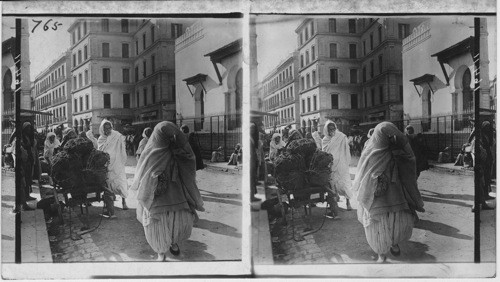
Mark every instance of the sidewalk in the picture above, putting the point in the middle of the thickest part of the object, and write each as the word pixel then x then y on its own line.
pixel 35 245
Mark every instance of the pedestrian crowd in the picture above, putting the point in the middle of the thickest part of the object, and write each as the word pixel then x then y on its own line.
pixel 164 183
pixel 385 185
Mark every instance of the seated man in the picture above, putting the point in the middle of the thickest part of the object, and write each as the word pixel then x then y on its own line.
pixel 235 156
pixel 217 156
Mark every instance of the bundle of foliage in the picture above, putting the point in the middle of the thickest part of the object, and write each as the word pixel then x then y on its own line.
pixel 319 172
pixel 304 147
pixel 290 171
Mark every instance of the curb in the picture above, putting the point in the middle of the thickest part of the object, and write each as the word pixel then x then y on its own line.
pixel 230 170
pixel 453 170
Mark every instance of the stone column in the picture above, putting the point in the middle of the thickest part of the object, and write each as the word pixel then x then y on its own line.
pixel 25 66
pixel 484 100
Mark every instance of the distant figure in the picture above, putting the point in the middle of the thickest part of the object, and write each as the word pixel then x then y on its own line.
pixel 275 146
pixel 68 134
pixel 217 155
pixel 317 137
pixel 294 134
pixel 235 156
pixel 91 137
pixel 145 137
pixel 285 132
pixel 51 142
pixel 418 148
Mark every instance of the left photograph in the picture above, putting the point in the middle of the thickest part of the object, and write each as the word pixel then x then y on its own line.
pixel 124 137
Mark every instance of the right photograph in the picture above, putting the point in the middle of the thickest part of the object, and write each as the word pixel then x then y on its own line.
pixel 373 139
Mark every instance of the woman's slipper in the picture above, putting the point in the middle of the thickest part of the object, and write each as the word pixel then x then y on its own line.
pixel 395 250
pixel 176 251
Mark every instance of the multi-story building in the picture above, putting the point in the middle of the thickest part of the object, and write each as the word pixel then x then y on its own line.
pixel 51 94
pixel 101 69
pixel 279 92
pixel 154 69
pixel 350 70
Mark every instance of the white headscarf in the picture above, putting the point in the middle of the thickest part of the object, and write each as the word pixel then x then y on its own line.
pixel 90 136
pixel 49 147
pixel 273 147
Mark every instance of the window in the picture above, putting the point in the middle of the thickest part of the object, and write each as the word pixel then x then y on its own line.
pixel 334 76
pixel 353 76
pixel 74 82
pixel 105 25
pixel 366 99
pixel 176 30
pixel 79 56
pixel 86 102
pixel 64 90
pixel 403 30
pixel 152 34
pixel 105 50
pixel 145 96
pixel 303 105
pixel 332 25
pixel 371 41
pixel 125 50
pixel 81 103
pixel 372 96
pixel 315 103
pixel 354 101
pixel 306 33
pixel 84 27
pixel 107 101
pixel 364 74
pixel 379 34
pixel 301 40
pixel 312 28
pixel 126 75
pixel 313 77
pixel 74 60
pixel 153 94
pixel 380 64
pixel 80 80
pixel 73 37
pixel 85 52
pixel 371 69
pixel 144 41
pixel 381 93
pixel 307 58
pixel 75 106
pixel 352 51
pixel 302 86
pixel 137 99
pixel 308 81
pixel 144 68
pixel 124 26
pixel 333 50
pixel 106 75
pixel 335 101
pixel 364 47
pixel 136 73
pixel 137 47
pixel 313 54
pixel 308 104
pixel 86 77
pixel 79 33
pixel 301 61
pixel 153 63
pixel 352 26
pixel 126 101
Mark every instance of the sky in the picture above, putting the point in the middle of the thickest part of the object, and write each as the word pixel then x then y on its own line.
pixel 276 39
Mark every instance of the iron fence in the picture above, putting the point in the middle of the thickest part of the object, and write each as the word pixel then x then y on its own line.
pixel 216 131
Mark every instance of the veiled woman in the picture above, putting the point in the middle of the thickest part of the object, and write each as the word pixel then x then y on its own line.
pixel 386 189
pixel 294 134
pixel 335 143
pixel 275 145
pixel 113 143
pixel 146 133
pixel 51 142
pixel 166 190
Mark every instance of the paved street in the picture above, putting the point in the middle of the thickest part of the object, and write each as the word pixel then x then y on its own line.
pixel 216 235
pixel 445 232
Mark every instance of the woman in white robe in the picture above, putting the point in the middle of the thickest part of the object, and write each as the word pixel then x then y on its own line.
pixel 113 143
pixel 336 143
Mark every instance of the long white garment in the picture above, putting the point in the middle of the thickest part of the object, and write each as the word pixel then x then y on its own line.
pixel 273 147
pixel 337 145
pixel 114 145
pixel 317 139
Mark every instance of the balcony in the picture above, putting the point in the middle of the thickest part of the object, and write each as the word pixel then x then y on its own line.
pixel 286 120
pixel 280 84
pixel 59 100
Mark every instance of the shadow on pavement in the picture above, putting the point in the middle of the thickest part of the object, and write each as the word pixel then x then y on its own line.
pixel 217 227
pixel 8 198
pixel 223 195
pixel 4 205
pixel 414 252
pixel 194 250
pixel 448 202
pixel 441 229
pixel 219 200
pixel 5 237
pixel 462 197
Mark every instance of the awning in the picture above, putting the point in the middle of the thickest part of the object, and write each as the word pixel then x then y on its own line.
pixel 193 80
pixel 218 55
pixel 444 56
pixel 426 78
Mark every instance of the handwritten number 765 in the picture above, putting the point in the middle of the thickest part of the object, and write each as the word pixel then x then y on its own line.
pixel 45 26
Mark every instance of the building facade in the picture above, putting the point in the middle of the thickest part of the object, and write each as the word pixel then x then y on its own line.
pixel 279 92
pixel 350 70
pixel 51 93
pixel 209 79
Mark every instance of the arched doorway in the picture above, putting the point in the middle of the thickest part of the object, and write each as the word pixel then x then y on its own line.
pixel 467 95
pixel 8 94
